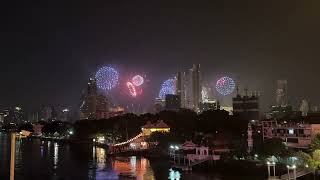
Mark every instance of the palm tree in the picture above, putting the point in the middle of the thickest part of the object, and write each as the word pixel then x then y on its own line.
pixel 312 161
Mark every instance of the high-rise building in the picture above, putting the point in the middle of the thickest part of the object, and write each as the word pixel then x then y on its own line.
pixel 92 87
pixel 304 107
pixel 209 105
pixel 14 115
pixel 196 86
pixel 181 86
pixel 189 88
pixel 94 105
pixel 46 113
pixel 281 93
pixel 173 102
pixel 246 107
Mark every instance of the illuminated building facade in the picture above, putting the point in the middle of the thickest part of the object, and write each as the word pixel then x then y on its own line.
pixel 94 106
pixel 196 86
pixel 246 107
pixel 293 134
pixel 282 112
pixel 14 115
pixel 189 88
pixel 182 88
pixel 281 93
pixel 209 105
pixel 159 126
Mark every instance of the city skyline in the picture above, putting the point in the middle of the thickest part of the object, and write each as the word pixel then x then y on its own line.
pixel 145 90
pixel 56 57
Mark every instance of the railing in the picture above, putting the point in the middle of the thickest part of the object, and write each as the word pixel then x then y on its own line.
pixel 129 141
pixel 299 173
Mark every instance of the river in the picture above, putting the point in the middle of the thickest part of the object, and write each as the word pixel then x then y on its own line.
pixel 48 160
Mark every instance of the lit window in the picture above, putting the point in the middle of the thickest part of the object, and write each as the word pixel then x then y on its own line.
pixel 291 131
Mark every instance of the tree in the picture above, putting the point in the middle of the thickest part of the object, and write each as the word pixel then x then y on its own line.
pixel 315 144
pixel 164 139
pixel 313 160
pixel 273 147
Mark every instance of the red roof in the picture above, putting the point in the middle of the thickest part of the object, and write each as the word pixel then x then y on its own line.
pixel 148 125
pixel 161 124
pixel 158 124
pixel 188 145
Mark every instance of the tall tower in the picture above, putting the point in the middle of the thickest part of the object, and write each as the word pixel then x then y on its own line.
pixel 93 106
pixel 181 88
pixel 92 87
pixel 281 93
pixel 249 140
pixel 196 86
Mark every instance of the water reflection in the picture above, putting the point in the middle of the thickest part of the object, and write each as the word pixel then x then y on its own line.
pixel 121 167
pixel 39 160
pixel 101 164
pixel 42 149
pixel 134 167
pixel 55 155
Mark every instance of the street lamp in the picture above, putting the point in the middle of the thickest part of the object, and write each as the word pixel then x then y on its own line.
pixel 70 132
pixel 271 164
pixel 293 168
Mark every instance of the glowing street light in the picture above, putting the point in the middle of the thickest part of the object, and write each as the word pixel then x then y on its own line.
pixel 271 164
pixel 293 167
pixel 70 132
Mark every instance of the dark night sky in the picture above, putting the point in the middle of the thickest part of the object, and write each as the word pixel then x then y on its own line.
pixel 49 49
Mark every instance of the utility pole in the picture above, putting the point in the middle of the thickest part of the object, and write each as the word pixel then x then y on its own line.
pixel 12 155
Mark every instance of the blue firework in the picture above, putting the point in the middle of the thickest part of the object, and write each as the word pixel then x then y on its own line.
pixel 168 87
pixel 107 78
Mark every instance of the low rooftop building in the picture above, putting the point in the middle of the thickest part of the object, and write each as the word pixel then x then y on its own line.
pixel 295 135
pixel 159 126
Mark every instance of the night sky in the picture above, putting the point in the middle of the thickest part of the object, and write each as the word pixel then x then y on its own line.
pixel 50 49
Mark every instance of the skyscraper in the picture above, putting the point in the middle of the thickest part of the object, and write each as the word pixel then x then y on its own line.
pixel 94 105
pixel 92 87
pixel 246 107
pixel 281 93
pixel 14 115
pixel 196 86
pixel 181 88
pixel 189 88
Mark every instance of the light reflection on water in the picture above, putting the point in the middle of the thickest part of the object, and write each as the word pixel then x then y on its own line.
pixel 51 160
pixel 55 155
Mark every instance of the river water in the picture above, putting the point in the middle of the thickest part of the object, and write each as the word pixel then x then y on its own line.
pixel 48 160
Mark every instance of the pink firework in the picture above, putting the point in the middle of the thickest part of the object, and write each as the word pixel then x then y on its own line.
pixel 137 80
pixel 132 89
